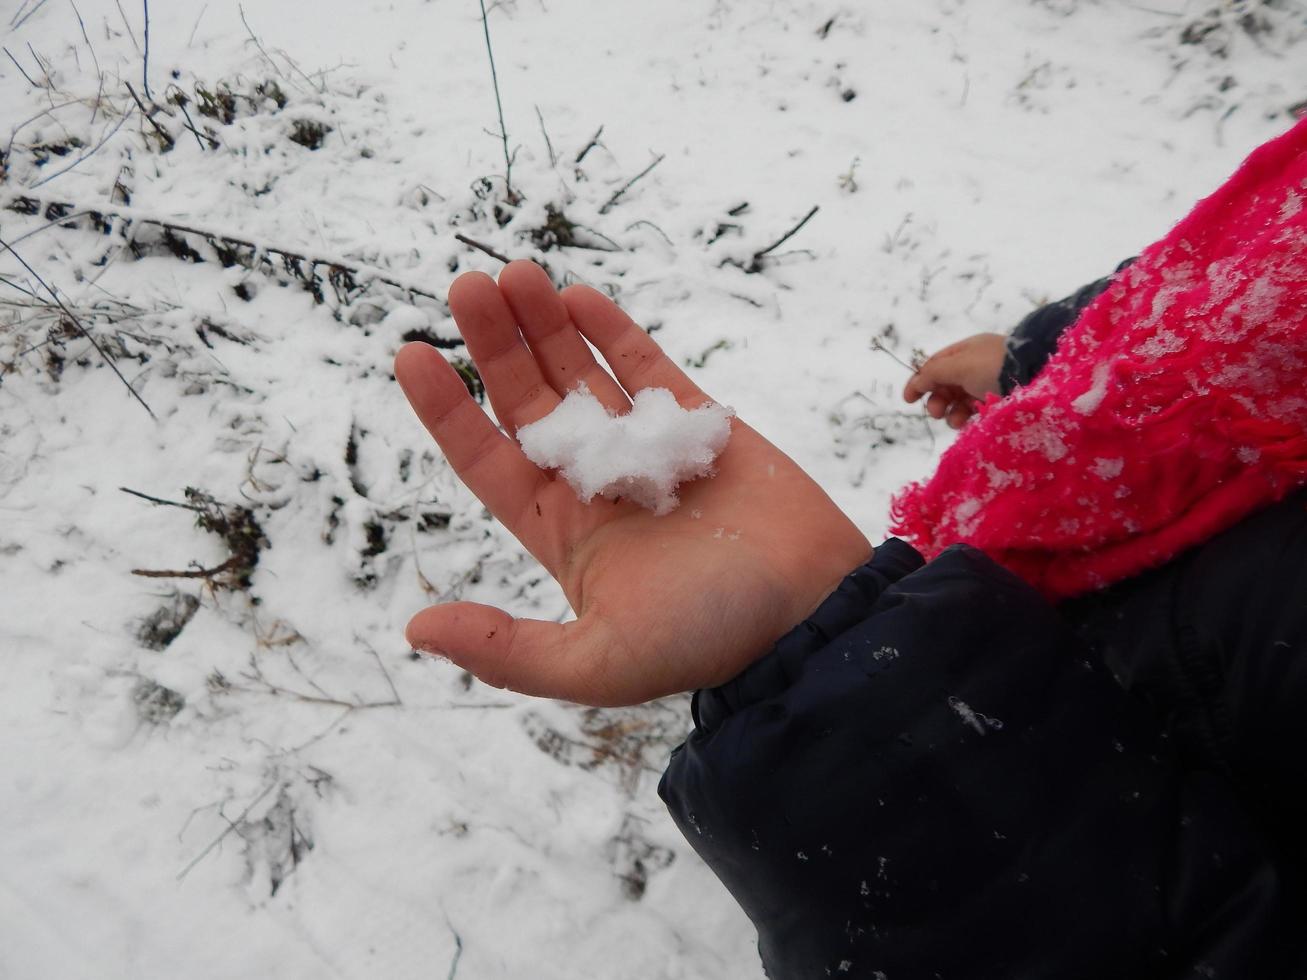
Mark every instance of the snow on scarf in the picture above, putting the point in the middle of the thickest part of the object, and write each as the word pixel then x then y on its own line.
pixel 1175 406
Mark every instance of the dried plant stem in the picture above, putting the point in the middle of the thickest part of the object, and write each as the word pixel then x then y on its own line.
pixel 513 196
pixel 553 157
pixel 594 141
pixel 20 23
pixel 231 826
pixel 145 57
pixel 787 236
pixel 218 239
pixel 20 68
pixel 72 317
pixel 617 194
pixel 473 243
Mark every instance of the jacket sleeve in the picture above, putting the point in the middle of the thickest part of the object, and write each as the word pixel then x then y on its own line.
pixel 1034 340
pixel 927 779
pixel 1216 642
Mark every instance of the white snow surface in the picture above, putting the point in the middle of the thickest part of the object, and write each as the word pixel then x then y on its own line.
pixel 235 768
pixel 641 455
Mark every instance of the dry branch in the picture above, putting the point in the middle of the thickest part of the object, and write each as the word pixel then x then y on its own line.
pixel 513 196
pixel 231 826
pixel 343 274
pixel 473 243
pixel 76 322
pixel 20 68
pixel 89 153
pixel 553 157
pixel 756 264
pixel 594 141
pixel 788 235
pixel 20 23
pixel 166 142
pixel 617 194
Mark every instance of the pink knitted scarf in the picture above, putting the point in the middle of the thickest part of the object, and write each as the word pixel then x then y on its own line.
pixel 1175 406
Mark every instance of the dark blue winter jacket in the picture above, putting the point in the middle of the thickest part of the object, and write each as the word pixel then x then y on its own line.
pixel 939 775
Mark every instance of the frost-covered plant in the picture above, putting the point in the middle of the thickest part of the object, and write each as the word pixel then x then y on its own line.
pixel 1277 24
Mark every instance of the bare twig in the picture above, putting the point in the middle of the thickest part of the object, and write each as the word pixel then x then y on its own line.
pixel 616 246
pixel 473 243
pixel 40 4
pixel 645 221
pixel 42 64
pixel 757 256
pixel 179 101
pixel 166 142
pixel 259 44
pixel 21 288
pixel 877 345
pixel 88 154
pixel 594 141
pixel 191 40
pixel 78 324
pixel 128 25
pixel 513 196
pixel 553 157
pixel 276 690
pixel 145 57
pixel 19 12
pixel 160 500
pixel 384 672
pixel 48 111
pixel 219 240
pixel 204 573
pixel 617 194
pixel 231 826
pixel 458 950
pixel 21 69
pixel 319 86
pixel 94 58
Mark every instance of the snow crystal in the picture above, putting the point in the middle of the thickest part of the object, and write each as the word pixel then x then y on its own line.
pixel 1291 206
pixel 1161 344
pixel 642 455
pixel 1107 468
pixel 973 719
pixel 1039 437
pixel 1088 402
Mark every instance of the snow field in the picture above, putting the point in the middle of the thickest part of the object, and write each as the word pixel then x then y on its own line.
pixel 278 788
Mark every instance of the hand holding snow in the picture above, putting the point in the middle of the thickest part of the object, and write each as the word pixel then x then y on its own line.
pixel 641 456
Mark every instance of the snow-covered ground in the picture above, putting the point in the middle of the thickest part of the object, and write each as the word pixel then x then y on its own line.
pixel 244 772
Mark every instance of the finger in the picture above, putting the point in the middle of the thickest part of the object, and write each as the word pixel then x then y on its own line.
pixel 518 390
pixel 937 404
pixel 632 355
pixel 490 463
pixel 918 387
pixel 958 414
pixel 932 375
pixel 544 659
pixel 561 352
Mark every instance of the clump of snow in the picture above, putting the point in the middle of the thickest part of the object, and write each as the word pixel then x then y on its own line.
pixel 1106 468
pixel 642 455
pixel 1087 403
pixel 973 719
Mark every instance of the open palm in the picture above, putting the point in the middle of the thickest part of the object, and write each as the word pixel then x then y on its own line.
pixel 663 604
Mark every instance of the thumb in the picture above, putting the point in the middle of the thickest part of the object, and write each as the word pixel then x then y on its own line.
pixel 530 656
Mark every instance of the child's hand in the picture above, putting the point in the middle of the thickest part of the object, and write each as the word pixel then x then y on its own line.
pixel 663 604
pixel 957 377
